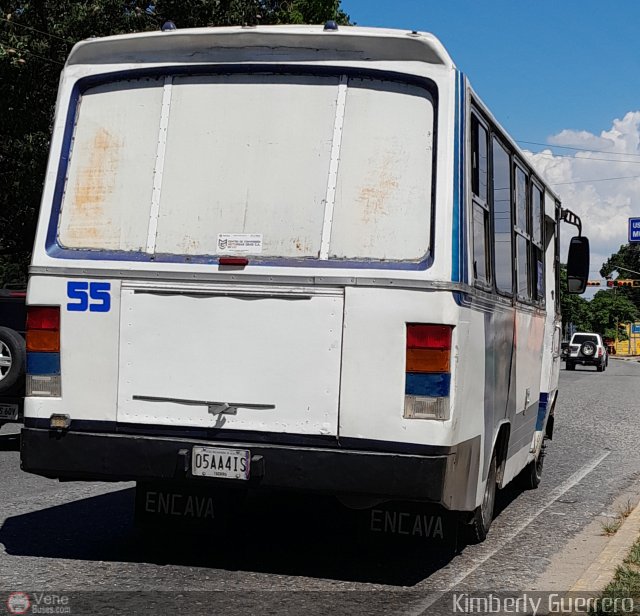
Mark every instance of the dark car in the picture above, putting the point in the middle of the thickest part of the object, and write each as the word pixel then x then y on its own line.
pixel 13 317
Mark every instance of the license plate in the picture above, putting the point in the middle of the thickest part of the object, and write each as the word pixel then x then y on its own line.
pixel 220 463
pixel 8 411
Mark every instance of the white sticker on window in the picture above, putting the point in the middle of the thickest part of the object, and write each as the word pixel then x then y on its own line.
pixel 239 243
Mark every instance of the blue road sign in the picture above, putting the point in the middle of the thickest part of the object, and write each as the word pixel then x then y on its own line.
pixel 634 229
pixel 635 328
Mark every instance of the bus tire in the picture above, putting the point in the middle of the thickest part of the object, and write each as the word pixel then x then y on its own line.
pixel 13 357
pixel 483 515
pixel 532 473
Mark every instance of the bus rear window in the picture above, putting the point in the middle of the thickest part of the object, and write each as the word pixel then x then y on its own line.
pixel 314 166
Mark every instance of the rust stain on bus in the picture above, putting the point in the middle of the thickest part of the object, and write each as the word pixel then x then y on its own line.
pixel 302 245
pixel 95 182
pixel 374 196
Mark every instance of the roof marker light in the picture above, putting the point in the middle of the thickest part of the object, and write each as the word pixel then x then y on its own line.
pixel 330 25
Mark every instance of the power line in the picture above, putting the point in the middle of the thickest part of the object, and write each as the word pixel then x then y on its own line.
pixel 43 58
pixel 566 147
pixel 610 160
pixel 13 23
pixel 581 159
pixel 50 60
pixel 624 177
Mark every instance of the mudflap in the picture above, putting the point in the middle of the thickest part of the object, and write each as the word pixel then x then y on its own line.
pixel 188 506
pixel 409 523
pixel 213 509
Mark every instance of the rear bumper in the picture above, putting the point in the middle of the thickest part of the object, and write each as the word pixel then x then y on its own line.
pixel 448 478
pixel 584 361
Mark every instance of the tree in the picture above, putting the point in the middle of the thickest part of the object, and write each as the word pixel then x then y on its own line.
pixel 628 260
pixel 35 39
pixel 610 311
pixel 238 12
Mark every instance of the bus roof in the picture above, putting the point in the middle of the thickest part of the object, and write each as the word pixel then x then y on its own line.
pixel 194 44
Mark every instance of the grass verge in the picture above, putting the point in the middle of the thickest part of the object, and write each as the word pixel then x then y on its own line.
pixel 611 527
pixel 626 581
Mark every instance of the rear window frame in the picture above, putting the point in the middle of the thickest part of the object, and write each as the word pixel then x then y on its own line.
pixel 586 338
pixel 56 250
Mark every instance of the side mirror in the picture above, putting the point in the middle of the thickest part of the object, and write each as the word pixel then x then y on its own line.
pixel 578 265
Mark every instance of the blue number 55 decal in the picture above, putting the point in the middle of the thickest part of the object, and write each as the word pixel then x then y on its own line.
pixel 91 296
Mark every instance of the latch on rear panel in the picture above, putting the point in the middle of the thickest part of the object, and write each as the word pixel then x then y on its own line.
pixel 223 408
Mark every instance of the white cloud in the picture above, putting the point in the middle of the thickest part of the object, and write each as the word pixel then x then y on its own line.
pixel 603 206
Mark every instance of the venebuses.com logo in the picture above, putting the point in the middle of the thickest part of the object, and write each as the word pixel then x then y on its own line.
pixel 18 603
pixel 38 603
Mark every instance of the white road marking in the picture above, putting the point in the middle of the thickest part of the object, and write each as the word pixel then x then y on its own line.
pixel 555 494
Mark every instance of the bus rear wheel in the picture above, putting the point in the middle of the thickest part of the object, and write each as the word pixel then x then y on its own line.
pixel 532 473
pixel 483 515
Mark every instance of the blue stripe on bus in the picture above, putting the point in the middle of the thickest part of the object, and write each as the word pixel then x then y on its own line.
pixel 43 363
pixel 455 239
pixel 543 408
pixel 462 140
pixel 459 257
pixel 436 385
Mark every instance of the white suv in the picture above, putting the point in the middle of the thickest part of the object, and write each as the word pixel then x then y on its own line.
pixel 586 349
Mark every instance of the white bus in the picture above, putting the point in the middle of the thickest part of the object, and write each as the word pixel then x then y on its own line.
pixel 289 257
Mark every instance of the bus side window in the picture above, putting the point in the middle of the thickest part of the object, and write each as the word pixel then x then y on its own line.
pixel 537 242
pixel 480 200
pixel 502 225
pixel 522 225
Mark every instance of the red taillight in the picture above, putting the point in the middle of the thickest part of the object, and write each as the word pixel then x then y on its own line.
pixel 429 337
pixel 43 329
pixel 428 348
pixel 43 317
pixel 427 385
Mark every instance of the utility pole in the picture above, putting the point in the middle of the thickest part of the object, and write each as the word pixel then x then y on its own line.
pixel 626 269
pixel 616 308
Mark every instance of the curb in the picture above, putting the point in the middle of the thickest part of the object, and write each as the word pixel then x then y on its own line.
pixel 601 571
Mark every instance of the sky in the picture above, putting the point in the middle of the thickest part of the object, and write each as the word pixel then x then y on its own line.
pixel 563 75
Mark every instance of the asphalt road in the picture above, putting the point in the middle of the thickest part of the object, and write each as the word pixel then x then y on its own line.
pixel 66 538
